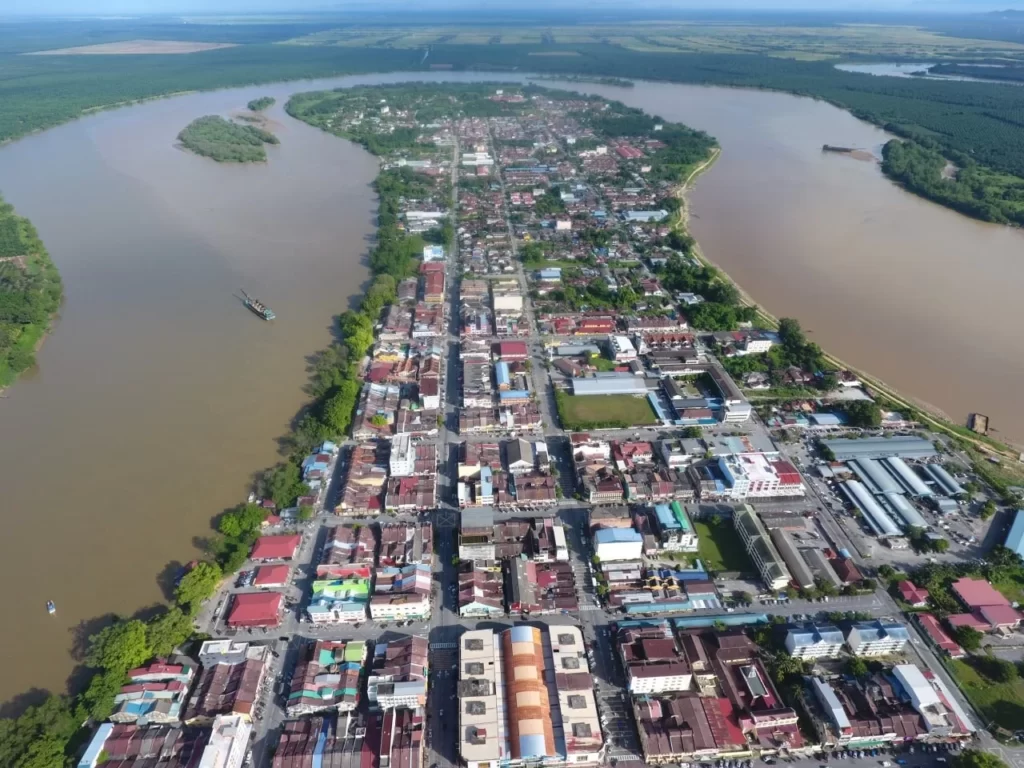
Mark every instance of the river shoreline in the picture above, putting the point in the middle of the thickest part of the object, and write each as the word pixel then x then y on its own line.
pixel 934 416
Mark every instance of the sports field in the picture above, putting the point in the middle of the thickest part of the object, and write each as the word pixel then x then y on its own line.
pixel 604 411
pixel 720 548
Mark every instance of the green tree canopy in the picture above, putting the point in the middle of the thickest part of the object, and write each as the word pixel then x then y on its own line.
pixel 968 638
pixel 167 631
pixel 976 758
pixel 98 698
pixel 119 647
pixel 197 585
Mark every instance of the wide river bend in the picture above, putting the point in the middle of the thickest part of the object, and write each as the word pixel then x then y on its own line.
pixel 157 396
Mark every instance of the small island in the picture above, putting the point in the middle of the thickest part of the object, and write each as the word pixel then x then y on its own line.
pixel 225 141
pixel 258 105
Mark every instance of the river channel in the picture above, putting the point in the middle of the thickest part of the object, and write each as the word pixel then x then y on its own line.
pixel 157 395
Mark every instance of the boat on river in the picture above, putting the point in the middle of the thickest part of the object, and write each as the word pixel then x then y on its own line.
pixel 258 307
pixel 50 607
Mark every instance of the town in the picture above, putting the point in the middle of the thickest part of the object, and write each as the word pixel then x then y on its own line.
pixel 589 509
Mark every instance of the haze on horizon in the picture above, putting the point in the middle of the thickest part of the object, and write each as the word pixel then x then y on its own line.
pixel 88 8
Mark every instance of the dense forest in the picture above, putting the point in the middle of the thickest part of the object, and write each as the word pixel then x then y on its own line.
pixel 30 293
pixel 225 141
pixel 258 105
pixel 966 187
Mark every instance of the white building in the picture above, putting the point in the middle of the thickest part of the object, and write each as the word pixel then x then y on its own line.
pixel 612 544
pixel 758 476
pixel 814 642
pixel 403 456
pixel 477 158
pixel 483 741
pixel 622 348
pixel 943 716
pixel 877 638
pixel 403 606
pixel 229 741
pixel 508 302
pixel 578 707
pixel 759 546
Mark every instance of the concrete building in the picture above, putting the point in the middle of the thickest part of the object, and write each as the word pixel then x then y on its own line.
pixel 673 528
pixel 327 677
pixel 403 456
pixel 654 661
pixel 483 736
pixel 876 638
pixel 398 674
pixel 755 539
pixel 814 641
pixel 621 348
pixel 798 567
pixel 229 681
pixel 579 727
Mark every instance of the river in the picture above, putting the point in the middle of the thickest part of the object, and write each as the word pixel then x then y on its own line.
pixel 157 396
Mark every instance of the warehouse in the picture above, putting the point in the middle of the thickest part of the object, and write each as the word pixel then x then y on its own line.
pixel 904 511
pixel 873 475
pixel 846 449
pixel 876 517
pixel 944 480
pixel 798 569
pixel 618 384
pixel 908 478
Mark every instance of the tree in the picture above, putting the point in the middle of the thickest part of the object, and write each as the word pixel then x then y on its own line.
pixel 743 598
pixel 306 513
pixel 863 413
pixel 940 545
pixel 197 585
pixel 119 647
pixel 168 631
pixel 886 572
pixel 790 333
pixel 869 585
pixel 976 758
pixel 284 484
pixel 379 420
pixel 968 638
pixel 857 667
pixel 98 698
pixel 242 521
pixel 988 509
pixel 694 433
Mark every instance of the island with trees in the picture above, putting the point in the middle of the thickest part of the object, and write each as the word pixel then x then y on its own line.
pixel 225 141
pixel 30 293
pixel 263 102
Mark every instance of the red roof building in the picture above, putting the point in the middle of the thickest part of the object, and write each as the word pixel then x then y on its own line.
pixel 911 593
pixel 512 350
pixel 256 609
pixel 975 593
pixel 271 576
pixel 938 635
pixel 431 266
pixel 846 570
pixel 999 616
pixel 276 547
pixel 787 473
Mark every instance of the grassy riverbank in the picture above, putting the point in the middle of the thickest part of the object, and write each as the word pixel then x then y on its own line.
pixel 225 141
pixel 30 293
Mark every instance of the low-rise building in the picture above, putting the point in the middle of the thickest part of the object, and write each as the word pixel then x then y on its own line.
pixel 156 693
pixel 814 641
pixel 877 638
pixel 755 539
pixel 612 544
pixel 654 661
pixel 231 673
pixel 339 600
pixel 672 528
pixel 327 677
pixel 398 674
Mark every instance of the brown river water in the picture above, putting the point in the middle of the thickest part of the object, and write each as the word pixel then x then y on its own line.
pixel 158 395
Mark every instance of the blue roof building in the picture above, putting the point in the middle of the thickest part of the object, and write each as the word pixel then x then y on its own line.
pixel 501 374
pixel 514 394
pixel 550 273
pixel 877 638
pixel 1015 538
pixel 813 641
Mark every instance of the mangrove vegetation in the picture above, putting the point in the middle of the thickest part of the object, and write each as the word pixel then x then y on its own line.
pixel 263 102
pixel 226 142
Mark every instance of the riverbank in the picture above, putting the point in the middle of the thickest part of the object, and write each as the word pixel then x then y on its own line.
pixel 928 413
pixel 30 294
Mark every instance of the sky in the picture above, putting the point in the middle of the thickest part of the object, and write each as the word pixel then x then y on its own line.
pixel 132 7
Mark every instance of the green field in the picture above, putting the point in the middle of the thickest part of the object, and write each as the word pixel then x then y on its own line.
pixel 720 548
pixel 604 411
pixel 1002 703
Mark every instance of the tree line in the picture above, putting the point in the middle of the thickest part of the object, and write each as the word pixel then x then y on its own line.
pixel 30 293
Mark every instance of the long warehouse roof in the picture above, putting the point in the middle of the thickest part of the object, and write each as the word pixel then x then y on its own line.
pixel 877 518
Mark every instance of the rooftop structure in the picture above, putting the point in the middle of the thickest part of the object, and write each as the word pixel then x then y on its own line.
pixel 654 661
pixel 349 550
pixel 578 730
pixel 846 449
pixel 255 609
pixel 620 384
pixel 618 544
pixel 1015 538
pixel 930 697
pixel 230 677
pixel 813 641
pixel 483 738
pixel 327 677
pixel 528 705
pixel 133 746
pixel 398 674
pixel 276 547
pixel 154 694
pixel 755 539
pixel 877 638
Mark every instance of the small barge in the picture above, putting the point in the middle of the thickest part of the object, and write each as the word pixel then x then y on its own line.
pixel 258 307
